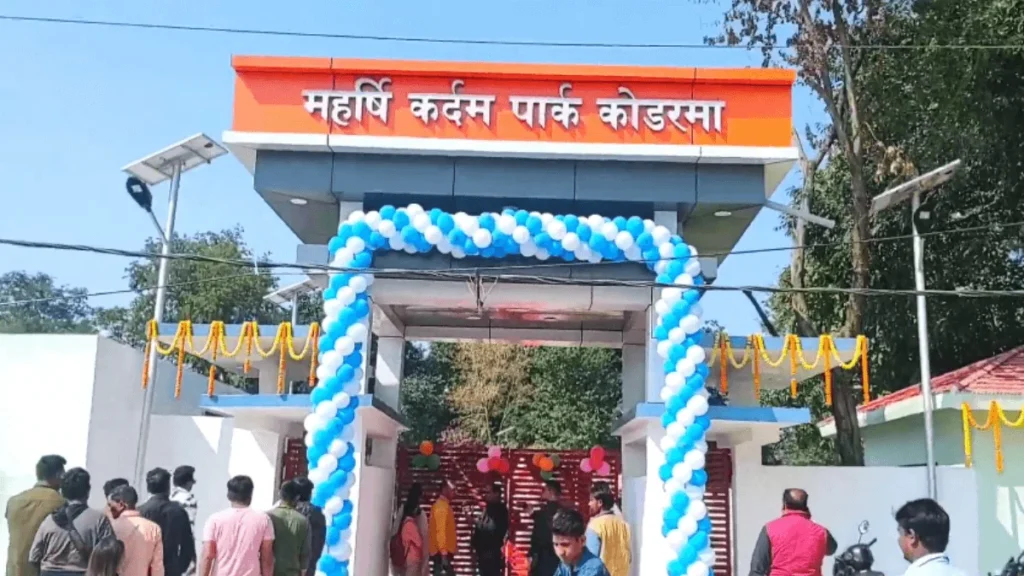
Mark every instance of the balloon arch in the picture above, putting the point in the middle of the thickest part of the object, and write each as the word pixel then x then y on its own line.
pixel 330 431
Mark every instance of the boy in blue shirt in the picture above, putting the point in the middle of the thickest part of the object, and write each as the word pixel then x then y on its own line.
pixel 568 536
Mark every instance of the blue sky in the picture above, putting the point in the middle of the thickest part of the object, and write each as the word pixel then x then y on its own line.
pixel 80 102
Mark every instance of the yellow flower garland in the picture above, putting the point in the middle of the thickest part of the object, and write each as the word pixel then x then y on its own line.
pixel 996 420
pixel 249 340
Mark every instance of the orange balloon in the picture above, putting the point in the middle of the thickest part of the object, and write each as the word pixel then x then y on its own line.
pixel 546 464
pixel 426 447
pixel 536 459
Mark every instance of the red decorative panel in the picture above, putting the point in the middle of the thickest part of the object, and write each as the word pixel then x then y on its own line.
pixel 293 461
pixel 718 497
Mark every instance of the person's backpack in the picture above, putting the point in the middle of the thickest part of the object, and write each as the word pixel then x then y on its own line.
pixel 64 517
pixel 396 548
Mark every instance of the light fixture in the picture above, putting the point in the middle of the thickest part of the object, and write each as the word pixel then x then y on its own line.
pixel 723 213
pixel 298 201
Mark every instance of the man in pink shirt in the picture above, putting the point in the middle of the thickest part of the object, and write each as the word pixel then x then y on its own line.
pixel 143 542
pixel 238 541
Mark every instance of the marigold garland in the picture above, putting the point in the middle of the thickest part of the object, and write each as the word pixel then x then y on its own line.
pixel 996 420
pixel 184 342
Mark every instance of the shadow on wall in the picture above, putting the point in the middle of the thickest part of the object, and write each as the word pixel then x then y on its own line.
pixel 200 441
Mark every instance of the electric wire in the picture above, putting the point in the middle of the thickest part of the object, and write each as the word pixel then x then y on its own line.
pixel 466 41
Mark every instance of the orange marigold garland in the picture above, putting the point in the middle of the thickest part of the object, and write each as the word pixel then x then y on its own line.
pixel 865 383
pixel 181 370
pixel 249 332
pixel 283 356
pixel 723 350
pixel 314 335
pixel 793 351
pixel 828 377
pixel 216 330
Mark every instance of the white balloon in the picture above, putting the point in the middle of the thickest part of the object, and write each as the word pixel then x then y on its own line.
pixel 332 307
pixel 595 221
pixel 671 295
pixel 357 332
pixel 387 228
pixel 663 347
pixel 697 311
pixel 542 254
pixel 666 443
pixel 313 422
pixel 346 295
pixel 688 526
pixel 323 372
pixel 458 253
pixel 317 476
pixel 556 229
pixel 672 485
pixel 409 249
pixel 347 433
pixel 350 481
pixel 623 240
pixel 344 345
pixel 707 556
pixel 692 267
pixel 341 400
pixel 325 410
pixel 685 417
pixel 698 404
pixel 660 266
pixel 331 361
pixel 675 430
pixel 520 234
pixel 666 251
pixel 666 393
pixel 676 335
pixel 694 492
pixel 327 463
pixel 648 225
pixel 356 216
pixel 594 257
pixel 396 243
pixel 469 225
pixel 358 284
pixel 329 321
pixel 546 218
pixel 372 219
pixel 482 238
pixel 697 508
pixel 696 354
pixel 434 235
pixel 634 252
pixel 353 387
pixel 358 375
pixel 685 367
pixel 674 382
pixel 444 246
pixel 695 459
pixel 609 230
pixel 703 393
pixel 701 445
pixel 506 224
pixel 675 540
pixel 698 569
pixel 682 472
pixel 355 244
pixel 308 440
pixel 413 209
pixel 690 323
pixel 683 280
pixel 342 551
pixel 333 506
pixel 582 252
pixel 662 307
pixel 693 250
pixel 421 222
pixel 337 448
pixel 342 258
pixel 661 235
pixel 528 249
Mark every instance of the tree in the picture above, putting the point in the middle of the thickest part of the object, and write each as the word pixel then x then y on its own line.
pixel 43 306
pixel 425 387
pixel 492 390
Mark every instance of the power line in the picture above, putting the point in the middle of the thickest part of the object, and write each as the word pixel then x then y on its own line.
pixel 466 41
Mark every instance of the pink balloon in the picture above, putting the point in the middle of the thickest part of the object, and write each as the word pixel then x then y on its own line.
pixel 481 465
pixel 494 452
pixel 605 469
pixel 585 465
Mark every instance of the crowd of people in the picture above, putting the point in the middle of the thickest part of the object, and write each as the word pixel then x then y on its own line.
pixel 561 543
pixel 53 532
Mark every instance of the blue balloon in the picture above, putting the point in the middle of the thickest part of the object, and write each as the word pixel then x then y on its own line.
pixel 377 240
pixel 314 452
pixel 542 240
pixel 521 217
pixel 597 242
pixel 346 416
pixel 360 309
pixel 401 219
pixel 665 472
pixel 676 353
pixel 408 234
pixel 335 244
pixel 635 226
pixel 330 294
pixel 345 373
pixel 620 223
pixel 571 222
pixel 646 242
pixel 680 500
pixel 668 367
pixel 342 521
pixel 328 564
pixel 534 225
pixel 664 279
pixel 333 535
pixel 704 524
pixel 346 506
pixel 675 404
pixel 339 281
pixel 326 342
pixel 568 256
pixel 362 230
pixel 672 516
pixel 650 255
pixel 691 296
pixel 322 438
pixel 699 478
pixel 681 252
pixel 703 370
pixel 677 568
pixel 703 422
pixel 667 418
pixel 674 456
pixel 691 435
pixel 319 394
pixel 387 212
pixel 682 308
pixel 674 269
pixel 446 222
pixel 699 540
pixel 583 231
pixel 487 221
pixel 345 231
pixel 660 332
pixel 688 554
pixel 665 529
pixel 435 215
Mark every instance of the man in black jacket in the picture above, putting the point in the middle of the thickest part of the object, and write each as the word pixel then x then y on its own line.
pixel 175 527
pixel 489 534
pixel 317 522
pixel 543 560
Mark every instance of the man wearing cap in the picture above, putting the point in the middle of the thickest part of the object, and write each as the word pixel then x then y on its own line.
pixel 184 479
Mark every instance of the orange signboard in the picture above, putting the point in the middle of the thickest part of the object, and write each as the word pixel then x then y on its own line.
pixel 513 102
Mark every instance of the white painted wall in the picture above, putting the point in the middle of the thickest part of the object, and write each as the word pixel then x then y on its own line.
pixel 841 497
pixel 376 493
pixel 256 453
pixel 632 507
pixel 46 394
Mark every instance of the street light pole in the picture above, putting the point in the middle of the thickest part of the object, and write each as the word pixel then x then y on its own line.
pixel 913 190
pixel 923 347
pixel 167 235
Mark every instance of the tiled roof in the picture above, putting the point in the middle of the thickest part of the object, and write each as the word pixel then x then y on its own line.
pixel 1002 374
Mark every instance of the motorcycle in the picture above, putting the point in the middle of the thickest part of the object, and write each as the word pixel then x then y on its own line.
pixel 1014 567
pixel 858 559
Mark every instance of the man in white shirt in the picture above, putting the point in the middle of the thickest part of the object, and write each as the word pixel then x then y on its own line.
pixel 923 536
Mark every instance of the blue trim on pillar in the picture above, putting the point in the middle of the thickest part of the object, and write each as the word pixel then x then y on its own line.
pixel 783 416
pixel 264 401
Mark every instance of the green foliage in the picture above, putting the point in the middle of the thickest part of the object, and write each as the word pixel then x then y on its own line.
pixel 425 405
pixel 45 307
